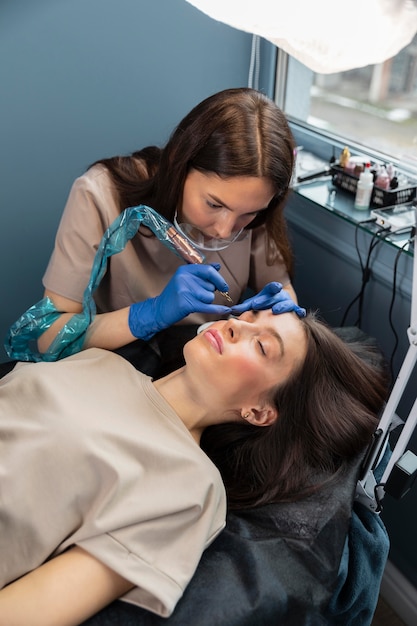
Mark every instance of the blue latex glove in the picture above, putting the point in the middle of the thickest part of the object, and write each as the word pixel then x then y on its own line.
pixel 272 296
pixel 190 290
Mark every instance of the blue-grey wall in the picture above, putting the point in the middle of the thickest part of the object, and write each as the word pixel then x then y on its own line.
pixel 85 79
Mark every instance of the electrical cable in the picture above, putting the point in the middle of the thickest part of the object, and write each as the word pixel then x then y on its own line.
pixel 371 220
pixel 394 293
pixel 365 269
pixel 381 236
pixel 360 264
pixel 366 274
pixel 379 496
pixel 342 323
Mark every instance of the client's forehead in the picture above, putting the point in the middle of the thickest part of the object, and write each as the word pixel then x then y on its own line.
pixel 266 317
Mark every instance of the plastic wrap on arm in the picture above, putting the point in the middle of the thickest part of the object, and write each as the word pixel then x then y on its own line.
pixel 21 339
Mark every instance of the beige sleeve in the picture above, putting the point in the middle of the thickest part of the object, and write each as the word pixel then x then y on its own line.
pixel 260 272
pixel 90 209
pixel 160 554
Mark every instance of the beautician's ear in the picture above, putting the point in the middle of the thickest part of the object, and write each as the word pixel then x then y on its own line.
pixel 265 416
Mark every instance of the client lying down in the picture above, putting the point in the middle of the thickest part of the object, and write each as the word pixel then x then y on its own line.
pixel 108 480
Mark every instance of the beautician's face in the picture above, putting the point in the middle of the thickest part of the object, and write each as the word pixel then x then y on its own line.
pixel 243 358
pixel 220 206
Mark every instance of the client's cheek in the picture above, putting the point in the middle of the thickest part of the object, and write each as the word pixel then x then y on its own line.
pixel 246 368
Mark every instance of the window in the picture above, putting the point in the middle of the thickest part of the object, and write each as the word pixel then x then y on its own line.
pixel 373 107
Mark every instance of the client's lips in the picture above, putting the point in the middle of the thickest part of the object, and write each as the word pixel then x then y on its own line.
pixel 213 336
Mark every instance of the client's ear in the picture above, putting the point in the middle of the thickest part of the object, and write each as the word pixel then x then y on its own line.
pixel 264 416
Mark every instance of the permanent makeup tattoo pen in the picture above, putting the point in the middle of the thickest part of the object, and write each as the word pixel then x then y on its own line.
pixel 188 252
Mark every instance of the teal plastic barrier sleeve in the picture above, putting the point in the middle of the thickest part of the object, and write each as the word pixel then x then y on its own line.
pixel 22 336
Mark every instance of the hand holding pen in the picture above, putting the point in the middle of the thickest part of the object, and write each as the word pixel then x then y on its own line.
pixel 190 290
pixel 190 254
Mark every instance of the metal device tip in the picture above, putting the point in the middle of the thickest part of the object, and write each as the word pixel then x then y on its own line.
pixel 226 295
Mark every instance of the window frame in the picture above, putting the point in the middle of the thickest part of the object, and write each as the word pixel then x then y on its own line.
pixel 292 90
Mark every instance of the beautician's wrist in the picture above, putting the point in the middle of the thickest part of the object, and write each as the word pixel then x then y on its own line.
pixel 142 319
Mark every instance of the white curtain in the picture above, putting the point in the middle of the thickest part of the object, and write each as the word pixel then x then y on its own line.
pixel 325 35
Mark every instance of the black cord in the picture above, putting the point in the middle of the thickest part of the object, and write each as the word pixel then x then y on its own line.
pixel 371 220
pixel 365 269
pixel 379 491
pixel 342 323
pixel 394 293
pixel 379 236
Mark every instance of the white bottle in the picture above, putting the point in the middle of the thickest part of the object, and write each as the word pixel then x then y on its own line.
pixel 364 189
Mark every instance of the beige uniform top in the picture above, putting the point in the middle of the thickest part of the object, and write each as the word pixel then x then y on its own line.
pixel 145 266
pixel 91 454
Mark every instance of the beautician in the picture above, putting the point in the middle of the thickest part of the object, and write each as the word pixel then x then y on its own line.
pixel 222 178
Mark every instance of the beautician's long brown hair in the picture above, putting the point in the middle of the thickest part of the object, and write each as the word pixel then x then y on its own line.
pixel 327 413
pixel 236 132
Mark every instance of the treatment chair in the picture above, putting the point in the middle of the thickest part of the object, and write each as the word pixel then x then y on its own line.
pixel 6 367
pixel 311 563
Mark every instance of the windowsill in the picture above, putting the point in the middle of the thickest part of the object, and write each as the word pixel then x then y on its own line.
pixel 317 149
pixel 324 194
pixel 331 247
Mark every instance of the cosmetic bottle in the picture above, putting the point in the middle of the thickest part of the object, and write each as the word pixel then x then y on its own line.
pixel 383 178
pixel 364 189
pixel 344 157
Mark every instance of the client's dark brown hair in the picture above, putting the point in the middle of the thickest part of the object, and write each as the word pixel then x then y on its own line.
pixel 327 412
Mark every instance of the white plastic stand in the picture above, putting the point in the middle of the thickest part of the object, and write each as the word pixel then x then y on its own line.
pixel 366 487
